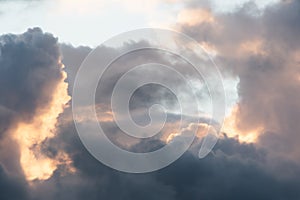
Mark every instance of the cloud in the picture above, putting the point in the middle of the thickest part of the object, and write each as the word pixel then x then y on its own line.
pixel 143 97
pixel 12 187
pixel 233 171
pixel 24 80
pixel 260 47
pixel 72 58
pixel 33 94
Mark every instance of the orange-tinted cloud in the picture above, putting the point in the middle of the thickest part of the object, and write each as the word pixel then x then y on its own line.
pixel 192 17
pixel 31 134
pixel 230 127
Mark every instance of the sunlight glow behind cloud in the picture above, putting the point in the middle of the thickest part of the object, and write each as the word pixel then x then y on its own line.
pixel 30 136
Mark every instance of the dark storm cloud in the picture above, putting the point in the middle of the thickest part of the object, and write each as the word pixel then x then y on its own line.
pixel 29 70
pixel 12 188
pixel 233 171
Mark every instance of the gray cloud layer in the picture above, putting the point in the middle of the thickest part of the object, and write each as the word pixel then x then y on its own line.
pixel 234 171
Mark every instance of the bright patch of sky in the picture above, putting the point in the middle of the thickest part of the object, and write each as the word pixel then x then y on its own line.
pixel 90 22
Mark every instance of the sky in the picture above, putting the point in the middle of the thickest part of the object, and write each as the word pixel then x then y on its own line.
pixel 230 134
pixel 69 20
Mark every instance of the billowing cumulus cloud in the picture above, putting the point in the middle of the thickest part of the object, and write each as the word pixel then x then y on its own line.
pixel 33 95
